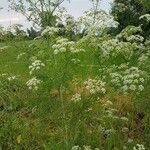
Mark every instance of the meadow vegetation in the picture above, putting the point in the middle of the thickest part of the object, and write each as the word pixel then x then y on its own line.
pixel 67 91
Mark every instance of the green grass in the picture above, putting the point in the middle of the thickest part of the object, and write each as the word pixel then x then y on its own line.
pixel 43 120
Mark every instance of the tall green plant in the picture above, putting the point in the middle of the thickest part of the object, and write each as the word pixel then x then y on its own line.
pixel 40 12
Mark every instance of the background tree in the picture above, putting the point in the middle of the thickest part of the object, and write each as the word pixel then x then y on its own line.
pixel 146 3
pixel 17 30
pixel 4 35
pixel 95 8
pixel 127 12
pixel 40 12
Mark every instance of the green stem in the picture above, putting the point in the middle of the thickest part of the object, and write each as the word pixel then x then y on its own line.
pixel 64 116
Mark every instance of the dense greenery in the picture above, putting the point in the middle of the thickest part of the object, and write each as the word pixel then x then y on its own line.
pixel 127 13
pixel 75 86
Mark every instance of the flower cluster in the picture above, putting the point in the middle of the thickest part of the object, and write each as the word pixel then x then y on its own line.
pixel 85 147
pixel 20 55
pixel 135 38
pixel 49 31
pixel 8 77
pixel 12 78
pixel 139 147
pixel 105 131
pixel 95 23
pixel 114 48
pixel 130 80
pixel 124 44
pixel 146 16
pixel 3 75
pixel 64 45
pixel 76 147
pixel 33 83
pixel 95 86
pixel 64 17
pixel 62 13
pixel 75 60
pixel 144 58
pixel 116 78
pixel 76 97
pixel 107 47
pixel 36 65
pixel 128 31
pixel 120 7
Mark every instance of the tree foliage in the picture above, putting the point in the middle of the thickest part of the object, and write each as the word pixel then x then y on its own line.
pixel 127 12
pixel 41 12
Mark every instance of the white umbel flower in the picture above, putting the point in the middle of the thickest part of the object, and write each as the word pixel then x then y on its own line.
pixel 76 147
pixel 76 97
pixel 139 147
pixel 36 65
pixel 146 16
pixel 95 86
pixel 33 83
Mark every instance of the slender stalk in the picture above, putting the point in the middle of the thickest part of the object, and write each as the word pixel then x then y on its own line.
pixel 64 116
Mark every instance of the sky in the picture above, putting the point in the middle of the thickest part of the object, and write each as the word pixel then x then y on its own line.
pixel 75 8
